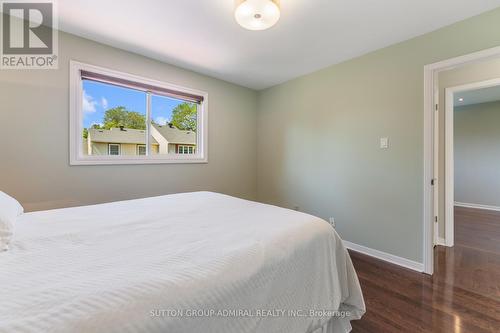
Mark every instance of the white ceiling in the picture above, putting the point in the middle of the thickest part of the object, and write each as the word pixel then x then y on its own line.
pixel 203 36
pixel 478 96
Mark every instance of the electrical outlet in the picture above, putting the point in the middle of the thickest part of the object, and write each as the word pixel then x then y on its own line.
pixel 332 221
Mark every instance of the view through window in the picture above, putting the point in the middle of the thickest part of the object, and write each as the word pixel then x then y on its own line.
pixel 114 119
pixel 124 119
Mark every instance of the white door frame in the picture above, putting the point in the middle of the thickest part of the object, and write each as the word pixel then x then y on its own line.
pixel 450 155
pixel 436 185
pixel 431 72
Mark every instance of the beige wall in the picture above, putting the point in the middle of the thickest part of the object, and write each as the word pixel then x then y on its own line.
pixel 482 71
pixel 477 154
pixel 99 148
pixel 318 138
pixel 171 148
pixel 128 149
pixel 34 111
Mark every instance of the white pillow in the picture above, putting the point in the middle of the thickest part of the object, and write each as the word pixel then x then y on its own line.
pixel 10 210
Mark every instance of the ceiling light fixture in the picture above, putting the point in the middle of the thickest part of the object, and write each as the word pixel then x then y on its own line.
pixel 257 14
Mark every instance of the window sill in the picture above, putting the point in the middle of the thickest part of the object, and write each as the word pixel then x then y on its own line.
pixel 135 160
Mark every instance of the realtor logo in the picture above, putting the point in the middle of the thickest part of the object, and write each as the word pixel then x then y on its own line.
pixel 29 35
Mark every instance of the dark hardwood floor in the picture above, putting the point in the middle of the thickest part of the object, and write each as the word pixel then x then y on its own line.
pixel 463 295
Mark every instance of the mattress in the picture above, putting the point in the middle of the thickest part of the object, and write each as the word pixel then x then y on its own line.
pixel 192 262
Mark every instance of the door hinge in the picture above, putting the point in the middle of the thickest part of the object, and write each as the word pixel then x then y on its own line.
pixel 437 107
pixel 433 181
pixel 435 219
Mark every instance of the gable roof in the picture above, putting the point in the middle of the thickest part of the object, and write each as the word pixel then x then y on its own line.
pixel 174 135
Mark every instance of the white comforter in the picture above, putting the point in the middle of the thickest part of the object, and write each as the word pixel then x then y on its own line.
pixel 193 262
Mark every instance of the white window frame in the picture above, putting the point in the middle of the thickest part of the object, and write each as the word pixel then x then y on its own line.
pixel 76 121
pixel 186 147
pixel 114 144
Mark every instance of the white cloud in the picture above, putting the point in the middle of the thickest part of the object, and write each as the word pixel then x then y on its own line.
pixel 104 103
pixel 161 121
pixel 88 103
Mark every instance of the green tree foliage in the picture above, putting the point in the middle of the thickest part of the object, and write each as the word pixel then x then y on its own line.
pixel 184 117
pixel 120 116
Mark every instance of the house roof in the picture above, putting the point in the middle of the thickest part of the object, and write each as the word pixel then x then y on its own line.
pixel 117 135
pixel 174 135
pixel 134 136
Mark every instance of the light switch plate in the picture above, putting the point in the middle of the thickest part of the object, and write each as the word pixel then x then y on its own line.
pixel 384 143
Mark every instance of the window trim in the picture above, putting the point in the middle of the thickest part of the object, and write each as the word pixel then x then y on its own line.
pixel 114 144
pixel 76 121
pixel 138 149
pixel 186 147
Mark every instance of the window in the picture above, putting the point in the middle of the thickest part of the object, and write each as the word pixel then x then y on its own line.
pixel 118 118
pixel 185 149
pixel 113 149
pixel 141 149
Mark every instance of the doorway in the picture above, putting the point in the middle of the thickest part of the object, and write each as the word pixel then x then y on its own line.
pixel 434 181
pixel 476 107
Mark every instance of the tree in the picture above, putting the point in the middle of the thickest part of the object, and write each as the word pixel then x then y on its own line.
pixel 184 117
pixel 120 116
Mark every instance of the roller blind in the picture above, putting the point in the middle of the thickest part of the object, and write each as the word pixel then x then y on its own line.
pixel 86 75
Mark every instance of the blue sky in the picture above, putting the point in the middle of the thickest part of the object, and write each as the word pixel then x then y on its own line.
pixel 99 97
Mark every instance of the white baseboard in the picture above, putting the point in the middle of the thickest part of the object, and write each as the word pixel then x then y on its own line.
pixel 441 241
pixel 407 263
pixel 476 206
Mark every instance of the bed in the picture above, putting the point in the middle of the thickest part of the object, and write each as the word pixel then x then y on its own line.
pixel 192 262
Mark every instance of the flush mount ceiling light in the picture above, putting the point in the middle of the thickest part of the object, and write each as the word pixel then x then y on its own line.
pixel 257 14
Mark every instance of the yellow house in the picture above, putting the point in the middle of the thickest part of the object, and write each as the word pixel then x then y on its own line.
pixel 165 139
